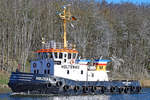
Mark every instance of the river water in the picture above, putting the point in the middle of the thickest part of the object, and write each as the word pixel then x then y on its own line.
pixel 144 95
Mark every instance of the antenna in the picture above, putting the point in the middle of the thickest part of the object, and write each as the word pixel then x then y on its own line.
pixel 66 16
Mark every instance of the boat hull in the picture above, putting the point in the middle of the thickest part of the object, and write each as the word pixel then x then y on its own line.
pixel 44 84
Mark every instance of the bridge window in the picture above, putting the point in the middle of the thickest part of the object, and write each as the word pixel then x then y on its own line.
pixel 67 71
pixel 60 55
pixel 50 55
pixel 69 55
pixel 65 55
pixel 45 55
pixel 74 55
pixel 55 54
pixel 40 55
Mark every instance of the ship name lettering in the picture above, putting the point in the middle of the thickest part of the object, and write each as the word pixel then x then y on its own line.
pixel 43 78
pixel 70 67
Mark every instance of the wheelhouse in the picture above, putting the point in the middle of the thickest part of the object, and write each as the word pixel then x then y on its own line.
pixel 47 58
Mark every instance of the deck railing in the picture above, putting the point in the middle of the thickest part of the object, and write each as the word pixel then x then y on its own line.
pixel 57 45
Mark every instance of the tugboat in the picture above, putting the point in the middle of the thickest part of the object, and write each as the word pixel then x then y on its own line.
pixel 57 69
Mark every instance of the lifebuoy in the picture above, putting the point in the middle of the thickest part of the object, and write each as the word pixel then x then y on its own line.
pixel 49 85
pixel 112 89
pixel 59 83
pixel 76 88
pixel 126 90
pixel 93 88
pixel 66 87
pixel 85 89
pixel 103 89
pixel 121 90
pixel 48 65
pixel 34 65
pixel 72 61
pixel 133 88
pixel 138 89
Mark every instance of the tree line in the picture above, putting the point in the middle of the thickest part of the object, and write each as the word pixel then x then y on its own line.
pixel 120 32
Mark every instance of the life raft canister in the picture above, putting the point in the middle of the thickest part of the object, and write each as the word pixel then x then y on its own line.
pixel 48 65
pixel 34 65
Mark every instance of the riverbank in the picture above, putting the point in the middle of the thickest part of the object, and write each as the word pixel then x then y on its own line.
pixel 4 88
pixel 145 83
pixel 4 78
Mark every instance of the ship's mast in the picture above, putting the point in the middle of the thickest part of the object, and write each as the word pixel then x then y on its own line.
pixel 66 16
pixel 65 33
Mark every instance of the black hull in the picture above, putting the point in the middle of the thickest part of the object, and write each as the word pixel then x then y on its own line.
pixel 44 84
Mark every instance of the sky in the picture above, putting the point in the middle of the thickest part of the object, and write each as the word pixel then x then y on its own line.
pixel 133 1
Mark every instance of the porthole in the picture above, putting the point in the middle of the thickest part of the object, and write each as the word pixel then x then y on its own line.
pixel 34 65
pixel 48 65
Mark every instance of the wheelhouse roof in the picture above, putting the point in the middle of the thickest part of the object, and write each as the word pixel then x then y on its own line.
pixel 57 50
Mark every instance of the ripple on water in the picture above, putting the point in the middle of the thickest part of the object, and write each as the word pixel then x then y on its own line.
pixel 145 95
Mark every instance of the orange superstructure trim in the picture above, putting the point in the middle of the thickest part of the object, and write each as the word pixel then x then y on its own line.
pixel 100 64
pixel 57 50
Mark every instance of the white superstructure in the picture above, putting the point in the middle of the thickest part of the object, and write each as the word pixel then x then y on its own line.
pixel 60 60
pixel 64 63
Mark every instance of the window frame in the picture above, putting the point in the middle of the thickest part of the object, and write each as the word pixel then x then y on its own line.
pixel 56 54
pixel 60 55
pixel 74 55
pixel 50 55
pixel 69 55
pixel 67 72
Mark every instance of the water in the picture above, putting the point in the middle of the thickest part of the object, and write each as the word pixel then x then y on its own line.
pixel 145 95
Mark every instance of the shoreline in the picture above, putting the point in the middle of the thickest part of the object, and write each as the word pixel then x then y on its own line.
pixel 4 88
pixel 145 83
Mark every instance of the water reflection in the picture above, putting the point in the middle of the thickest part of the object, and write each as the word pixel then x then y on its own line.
pixel 94 97
pixel 145 95
pixel 88 97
